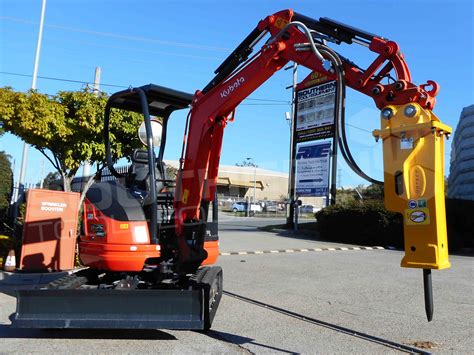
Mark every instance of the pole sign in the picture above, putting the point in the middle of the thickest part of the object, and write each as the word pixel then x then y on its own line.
pixel 315 112
pixel 312 168
pixel 313 134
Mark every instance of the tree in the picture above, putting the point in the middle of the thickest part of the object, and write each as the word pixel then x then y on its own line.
pixel 373 192
pixel 247 163
pixel 67 128
pixel 50 178
pixel 6 184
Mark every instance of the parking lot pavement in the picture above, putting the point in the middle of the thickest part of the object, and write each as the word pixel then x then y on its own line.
pixel 365 291
pixel 242 234
pixel 342 295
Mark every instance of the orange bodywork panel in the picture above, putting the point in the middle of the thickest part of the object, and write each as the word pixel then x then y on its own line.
pixel 111 245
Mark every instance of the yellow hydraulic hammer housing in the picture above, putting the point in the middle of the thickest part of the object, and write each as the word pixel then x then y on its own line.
pixel 413 153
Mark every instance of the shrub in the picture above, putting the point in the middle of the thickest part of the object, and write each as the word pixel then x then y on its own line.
pixel 367 223
pixel 6 185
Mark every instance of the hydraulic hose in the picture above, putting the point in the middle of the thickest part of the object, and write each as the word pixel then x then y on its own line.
pixel 340 113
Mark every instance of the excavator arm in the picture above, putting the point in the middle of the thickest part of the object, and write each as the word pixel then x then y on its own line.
pixel 240 74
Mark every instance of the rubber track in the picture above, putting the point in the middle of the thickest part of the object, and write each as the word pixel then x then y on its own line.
pixel 351 332
pixel 67 282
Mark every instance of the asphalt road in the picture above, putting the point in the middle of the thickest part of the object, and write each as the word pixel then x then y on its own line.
pixel 363 291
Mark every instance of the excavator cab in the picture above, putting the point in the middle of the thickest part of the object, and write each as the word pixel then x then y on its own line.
pixel 145 184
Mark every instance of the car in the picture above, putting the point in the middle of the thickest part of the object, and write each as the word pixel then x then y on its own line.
pixel 308 209
pixel 242 207
pixel 239 207
pixel 271 206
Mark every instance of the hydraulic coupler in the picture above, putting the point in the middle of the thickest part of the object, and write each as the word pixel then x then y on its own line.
pixel 413 154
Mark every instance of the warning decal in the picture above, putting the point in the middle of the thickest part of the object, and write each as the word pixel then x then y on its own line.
pixel 419 216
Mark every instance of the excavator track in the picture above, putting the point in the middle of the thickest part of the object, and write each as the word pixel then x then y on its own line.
pixel 67 282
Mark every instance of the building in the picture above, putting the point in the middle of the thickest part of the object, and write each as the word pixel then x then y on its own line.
pixel 461 176
pixel 237 183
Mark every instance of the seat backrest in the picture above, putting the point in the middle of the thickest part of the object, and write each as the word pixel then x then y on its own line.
pixel 139 171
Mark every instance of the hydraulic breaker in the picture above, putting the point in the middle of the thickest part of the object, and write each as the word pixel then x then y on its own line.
pixel 413 153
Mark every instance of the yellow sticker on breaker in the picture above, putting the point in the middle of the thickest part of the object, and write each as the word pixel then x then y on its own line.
pixel 417 216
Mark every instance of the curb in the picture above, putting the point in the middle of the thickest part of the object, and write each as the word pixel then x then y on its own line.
pixel 299 250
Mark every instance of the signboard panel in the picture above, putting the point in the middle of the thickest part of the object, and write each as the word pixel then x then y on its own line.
pixel 315 112
pixel 50 230
pixel 312 168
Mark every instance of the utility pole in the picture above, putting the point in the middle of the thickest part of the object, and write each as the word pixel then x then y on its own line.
pixel 86 170
pixel 292 168
pixel 98 72
pixel 41 173
pixel 24 157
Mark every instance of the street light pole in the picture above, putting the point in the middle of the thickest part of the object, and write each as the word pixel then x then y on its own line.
pixel 24 158
pixel 254 177
pixel 291 170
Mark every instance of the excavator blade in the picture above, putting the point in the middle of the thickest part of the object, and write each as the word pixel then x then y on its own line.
pixel 99 308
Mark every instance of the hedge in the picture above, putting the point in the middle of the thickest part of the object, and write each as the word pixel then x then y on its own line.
pixel 369 223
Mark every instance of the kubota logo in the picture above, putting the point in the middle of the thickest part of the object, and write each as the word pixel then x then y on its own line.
pixel 232 87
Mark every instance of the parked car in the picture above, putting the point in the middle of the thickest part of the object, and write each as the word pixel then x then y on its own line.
pixel 242 207
pixel 271 206
pixel 308 209
pixel 239 207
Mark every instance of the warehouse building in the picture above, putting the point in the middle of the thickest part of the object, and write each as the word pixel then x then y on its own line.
pixel 461 177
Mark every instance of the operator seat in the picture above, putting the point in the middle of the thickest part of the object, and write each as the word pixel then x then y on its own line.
pixel 138 174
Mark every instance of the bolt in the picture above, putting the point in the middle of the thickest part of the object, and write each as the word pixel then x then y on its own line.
pixel 447 136
pixel 399 85
pixel 387 113
pixel 410 111
pixel 376 90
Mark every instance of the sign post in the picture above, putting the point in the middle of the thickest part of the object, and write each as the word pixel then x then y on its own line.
pixel 315 138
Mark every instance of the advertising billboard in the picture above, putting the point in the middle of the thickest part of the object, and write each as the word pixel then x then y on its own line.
pixel 312 168
pixel 315 112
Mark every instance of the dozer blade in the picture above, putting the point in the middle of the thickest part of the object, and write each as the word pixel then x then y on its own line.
pixel 92 308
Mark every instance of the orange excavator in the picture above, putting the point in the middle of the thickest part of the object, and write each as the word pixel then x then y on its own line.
pixel 149 242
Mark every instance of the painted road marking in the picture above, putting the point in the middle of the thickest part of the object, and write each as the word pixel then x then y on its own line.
pixel 302 250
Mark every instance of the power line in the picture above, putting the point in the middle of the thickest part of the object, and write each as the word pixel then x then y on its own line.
pixel 124 86
pixel 271 102
pixel 62 79
pixel 360 129
pixel 119 36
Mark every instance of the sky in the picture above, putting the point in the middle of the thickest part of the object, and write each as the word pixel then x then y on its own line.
pixel 179 44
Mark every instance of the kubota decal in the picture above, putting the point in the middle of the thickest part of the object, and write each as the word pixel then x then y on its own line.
pixel 232 87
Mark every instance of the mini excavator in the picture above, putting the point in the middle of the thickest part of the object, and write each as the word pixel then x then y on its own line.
pixel 149 242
